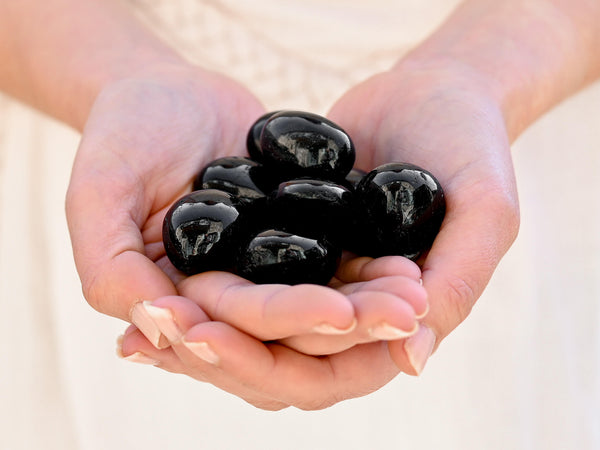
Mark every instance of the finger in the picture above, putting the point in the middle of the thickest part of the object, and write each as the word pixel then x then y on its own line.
pixel 365 268
pixel 285 375
pixel 380 316
pixel 457 269
pixel 166 319
pixel 373 318
pixel 406 289
pixel 105 211
pixel 270 311
pixel 134 347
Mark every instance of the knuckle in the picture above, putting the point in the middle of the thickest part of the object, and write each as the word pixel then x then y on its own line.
pixel 317 404
pixel 506 204
pixel 268 405
pixel 461 298
pixel 511 216
pixel 92 294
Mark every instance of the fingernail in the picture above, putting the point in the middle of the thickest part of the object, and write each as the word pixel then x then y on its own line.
pixel 141 358
pixel 387 332
pixel 203 351
pixel 164 320
pixel 419 347
pixel 137 357
pixel 143 320
pixel 420 316
pixel 130 329
pixel 326 328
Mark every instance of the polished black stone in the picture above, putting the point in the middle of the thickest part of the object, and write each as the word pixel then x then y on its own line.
pixel 313 208
pixel 403 206
pixel 202 231
pixel 305 144
pixel 253 136
pixel 242 177
pixel 275 256
pixel 353 178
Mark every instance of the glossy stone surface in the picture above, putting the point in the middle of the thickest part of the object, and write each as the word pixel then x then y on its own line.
pixel 305 144
pixel 253 136
pixel 242 177
pixel 201 231
pixel 353 178
pixel 403 207
pixel 313 208
pixel 278 257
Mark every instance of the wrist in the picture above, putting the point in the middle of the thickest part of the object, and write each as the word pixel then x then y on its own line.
pixel 59 54
pixel 127 51
pixel 525 55
pixel 122 67
pixel 451 80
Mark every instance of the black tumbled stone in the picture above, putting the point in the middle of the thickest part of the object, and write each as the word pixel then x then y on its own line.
pixel 278 257
pixel 305 144
pixel 403 208
pixel 201 231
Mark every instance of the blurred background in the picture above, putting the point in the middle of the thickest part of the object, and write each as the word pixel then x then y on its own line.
pixel 522 372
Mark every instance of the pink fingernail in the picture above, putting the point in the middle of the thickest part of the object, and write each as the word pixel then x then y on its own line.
pixel 326 328
pixel 137 357
pixel 387 332
pixel 141 358
pixel 142 319
pixel 164 320
pixel 130 329
pixel 419 347
pixel 203 351
pixel 424 313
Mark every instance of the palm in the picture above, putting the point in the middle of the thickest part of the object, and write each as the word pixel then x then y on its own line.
pixel 450 126
pixel 143 143
pixel 371 304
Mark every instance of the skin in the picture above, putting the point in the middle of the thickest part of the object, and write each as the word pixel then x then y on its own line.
pixel 149 119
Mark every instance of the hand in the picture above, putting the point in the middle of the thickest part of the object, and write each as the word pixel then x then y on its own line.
pixel 444 119
pixel 145 139
pixel 216 342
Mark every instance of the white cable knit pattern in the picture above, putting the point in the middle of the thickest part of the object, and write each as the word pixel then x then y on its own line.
pixel 284 70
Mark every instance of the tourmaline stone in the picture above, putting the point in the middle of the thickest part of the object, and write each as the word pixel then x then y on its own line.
pixel 278 257
pixel 403 208
pixel 242 177
pixel 313 208
pixel 253 136
pixel 306 144
pixel 201 231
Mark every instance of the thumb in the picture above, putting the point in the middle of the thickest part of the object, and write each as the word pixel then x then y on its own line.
pixel 106 209
pixel 471 242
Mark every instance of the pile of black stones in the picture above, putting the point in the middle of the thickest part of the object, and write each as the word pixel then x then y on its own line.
pixel 285 213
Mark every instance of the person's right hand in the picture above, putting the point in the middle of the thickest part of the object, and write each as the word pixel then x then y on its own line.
pixel 145 139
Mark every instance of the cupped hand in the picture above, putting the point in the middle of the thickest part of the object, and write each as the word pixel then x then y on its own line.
pixel 145 139
pixel 446 119
pixel 249 339
pixel 241 337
